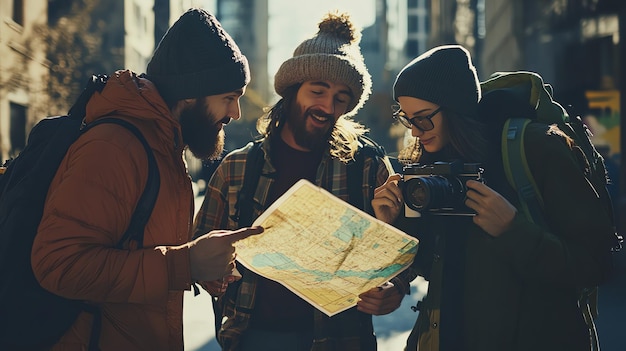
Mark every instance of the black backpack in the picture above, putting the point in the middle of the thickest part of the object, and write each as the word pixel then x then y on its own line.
pixel 31 317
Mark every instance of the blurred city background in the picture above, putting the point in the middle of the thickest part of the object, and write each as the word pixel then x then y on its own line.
pixel 48 49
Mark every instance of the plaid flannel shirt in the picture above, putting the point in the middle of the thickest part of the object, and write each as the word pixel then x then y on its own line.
pixel 216 211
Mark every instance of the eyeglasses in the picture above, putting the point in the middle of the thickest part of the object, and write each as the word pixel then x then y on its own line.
pixel 423 123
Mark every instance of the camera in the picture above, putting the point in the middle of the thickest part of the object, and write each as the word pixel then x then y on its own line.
pixel 438 188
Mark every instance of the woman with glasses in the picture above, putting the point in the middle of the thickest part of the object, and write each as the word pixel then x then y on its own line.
pixel 496 281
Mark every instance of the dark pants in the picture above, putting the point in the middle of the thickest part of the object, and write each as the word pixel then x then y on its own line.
pixel 262 340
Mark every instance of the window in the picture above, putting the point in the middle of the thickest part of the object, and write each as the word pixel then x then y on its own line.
pixel 18 12
pixel 412 48
pixel 17 131
pixel 412 23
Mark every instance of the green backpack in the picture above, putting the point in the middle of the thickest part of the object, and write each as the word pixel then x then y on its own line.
pixel 505 87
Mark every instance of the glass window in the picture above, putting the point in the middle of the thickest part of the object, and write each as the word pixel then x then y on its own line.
pixel 17 131
pixel 18 11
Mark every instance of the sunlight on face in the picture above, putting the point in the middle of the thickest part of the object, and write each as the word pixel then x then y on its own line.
pixel 312 117
pixel 202 123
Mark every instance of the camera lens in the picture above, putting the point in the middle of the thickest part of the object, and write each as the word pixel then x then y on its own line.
pixel 432 192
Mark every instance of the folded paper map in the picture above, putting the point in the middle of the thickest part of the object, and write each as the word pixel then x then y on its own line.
pixel 323 249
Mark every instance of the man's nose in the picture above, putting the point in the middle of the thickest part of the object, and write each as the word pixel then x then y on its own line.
pixel 236 112
pixel 328 105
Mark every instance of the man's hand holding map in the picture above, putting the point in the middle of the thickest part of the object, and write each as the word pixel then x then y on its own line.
pixel 323 249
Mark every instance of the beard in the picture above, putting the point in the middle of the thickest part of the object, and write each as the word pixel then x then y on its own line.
pixel 201 133
pixel 314 140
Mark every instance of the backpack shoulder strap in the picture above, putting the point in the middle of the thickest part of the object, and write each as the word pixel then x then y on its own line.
pixel 244 208
pixel 517 171
pixel 146 202
pixel 244 211
pixel 354 169
pixel 145 205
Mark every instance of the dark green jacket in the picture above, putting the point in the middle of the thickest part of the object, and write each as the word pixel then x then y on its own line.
pixel 519 290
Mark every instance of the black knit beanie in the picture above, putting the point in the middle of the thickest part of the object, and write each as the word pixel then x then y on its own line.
pixel 197 58
pixel 444 76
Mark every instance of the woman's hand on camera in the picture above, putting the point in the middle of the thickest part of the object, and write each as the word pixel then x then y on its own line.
pixel 387 202
pixel 494 213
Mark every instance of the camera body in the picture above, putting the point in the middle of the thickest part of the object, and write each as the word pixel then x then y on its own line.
pixel 438 188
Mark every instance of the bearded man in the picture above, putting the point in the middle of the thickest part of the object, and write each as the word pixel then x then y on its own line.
pixel 308 134
pixel 191 88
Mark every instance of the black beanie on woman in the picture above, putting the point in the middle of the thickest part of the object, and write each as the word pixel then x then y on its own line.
pixel 444 76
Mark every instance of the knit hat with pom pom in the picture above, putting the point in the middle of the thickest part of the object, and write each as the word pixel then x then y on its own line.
pixel 333 54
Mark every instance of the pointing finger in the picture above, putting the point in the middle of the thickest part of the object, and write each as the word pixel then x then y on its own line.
pixel 239 234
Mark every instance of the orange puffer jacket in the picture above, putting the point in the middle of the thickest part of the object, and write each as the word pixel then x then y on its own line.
pixel 88 208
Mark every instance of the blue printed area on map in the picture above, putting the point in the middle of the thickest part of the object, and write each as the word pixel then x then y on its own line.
pixel 351 228
pixel 411 249
pixel 281 262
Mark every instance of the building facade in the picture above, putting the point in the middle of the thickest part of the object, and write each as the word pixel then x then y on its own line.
pixel 23 71
pixel 50 48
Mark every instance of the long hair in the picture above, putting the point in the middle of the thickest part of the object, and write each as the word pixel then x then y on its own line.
pixel 344 140
pixel 468 136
